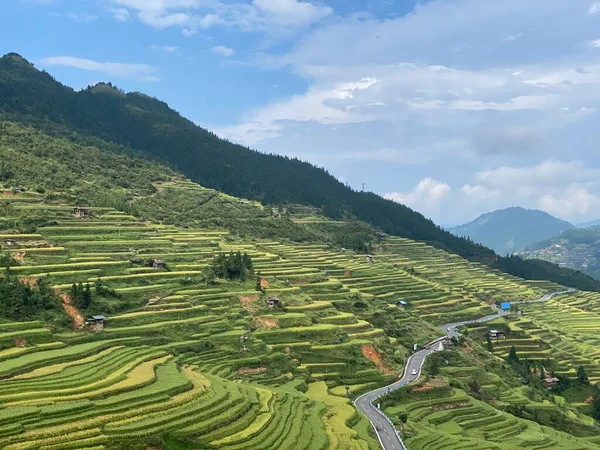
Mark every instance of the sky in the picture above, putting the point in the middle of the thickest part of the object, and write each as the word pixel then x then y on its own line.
pixel 452 107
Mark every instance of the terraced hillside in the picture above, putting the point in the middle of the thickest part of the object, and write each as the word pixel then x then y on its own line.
pixel 187 360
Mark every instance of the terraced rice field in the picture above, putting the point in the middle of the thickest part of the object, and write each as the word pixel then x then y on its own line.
pixel 171 359
pixel 447 418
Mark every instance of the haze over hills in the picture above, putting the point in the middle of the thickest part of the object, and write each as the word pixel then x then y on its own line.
pixel 105 116
pixel 590 224
pixel 512 229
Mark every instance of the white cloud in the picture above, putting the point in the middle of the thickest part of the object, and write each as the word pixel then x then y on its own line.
pixel 574 201
pixel 191 15
pixel 222 50
pixel 320 105
pixel 595 43
pixel 512 37
pixel 595 8
pixel 140 72
pixel 166 48
pixel 564 189
pixel 426 194
pixel 291 12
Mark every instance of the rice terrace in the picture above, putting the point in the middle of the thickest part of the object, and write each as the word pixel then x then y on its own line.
pixel 140 309
pixel 216 365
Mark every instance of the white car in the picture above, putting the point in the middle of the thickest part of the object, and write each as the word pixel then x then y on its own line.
pixel 414 371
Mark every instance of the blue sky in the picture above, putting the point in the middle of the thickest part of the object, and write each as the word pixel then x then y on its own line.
pixel 454 107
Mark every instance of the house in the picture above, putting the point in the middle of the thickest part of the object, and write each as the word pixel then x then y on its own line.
pixel 401 304
pixel 370 258
pixel 496 335
pixel 81 212
pixel 273 301
pixel 505 306
pixel 550 382
pixel 159 264
pixel 17 189
pixel 10 242
pixel 96 322
pixel 342 250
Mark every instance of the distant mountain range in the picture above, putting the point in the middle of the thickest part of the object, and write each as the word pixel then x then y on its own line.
pixel 590 224
pixel 513 229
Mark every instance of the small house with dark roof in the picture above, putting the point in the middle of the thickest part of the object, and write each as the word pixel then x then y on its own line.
pixel 497 335
pixel 159 264
pixel 17 189
pixel 273 301
pixel 11 242
pixel 550 382
pixel 81 212
pixel 96 322
pixel 370 258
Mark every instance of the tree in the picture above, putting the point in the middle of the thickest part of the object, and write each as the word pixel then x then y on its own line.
pixel 490 347
pixel 596 403
pixel 513 358
pixel 582 376
pixel 259 287
pixel 86 297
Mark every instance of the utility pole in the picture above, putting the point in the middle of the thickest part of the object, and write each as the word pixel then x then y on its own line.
pixel 363 187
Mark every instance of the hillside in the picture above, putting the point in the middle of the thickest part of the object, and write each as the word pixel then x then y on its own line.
pixel 509 230
pixel 106 117
pixel 192 357
pixel 577 249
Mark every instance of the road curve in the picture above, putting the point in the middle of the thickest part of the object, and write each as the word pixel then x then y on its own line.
pixel 386 432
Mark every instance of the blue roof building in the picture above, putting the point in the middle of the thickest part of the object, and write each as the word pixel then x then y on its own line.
pixel 505 305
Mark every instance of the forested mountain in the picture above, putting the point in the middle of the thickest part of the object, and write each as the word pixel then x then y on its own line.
pixel 512 229
pixel 105 116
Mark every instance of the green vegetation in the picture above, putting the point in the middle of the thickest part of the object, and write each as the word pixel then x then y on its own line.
pixel 237 325
pixel 136 123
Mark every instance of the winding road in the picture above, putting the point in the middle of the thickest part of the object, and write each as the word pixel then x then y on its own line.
pixel 388 436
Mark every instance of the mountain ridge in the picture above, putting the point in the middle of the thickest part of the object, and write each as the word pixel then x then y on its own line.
pixel 139 124
pixel 512 229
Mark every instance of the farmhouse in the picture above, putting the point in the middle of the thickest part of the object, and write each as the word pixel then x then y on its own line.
pixel 550 382
pixel 273 301
pixel 342 250
pixel 17 189
pixel 505 306
pixel 81 212
pixel 370 258
pixel 96 322
pixel 401 304
pixel 11 242
pixel 496 335
pixel 159 264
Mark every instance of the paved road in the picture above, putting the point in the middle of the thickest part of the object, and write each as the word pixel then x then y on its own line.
pixel 386 431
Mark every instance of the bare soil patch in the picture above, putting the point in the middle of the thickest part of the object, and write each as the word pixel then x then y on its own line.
pixel 248 302
pixel 369 352
pixel 73 312
pixel 266 323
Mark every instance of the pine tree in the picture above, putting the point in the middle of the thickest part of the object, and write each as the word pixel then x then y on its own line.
pixel 596 403
pixel 258 283
pixel 512 355
pixel 582 376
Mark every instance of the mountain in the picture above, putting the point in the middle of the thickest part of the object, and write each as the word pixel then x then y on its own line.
pixel 512 229
pixel 577 249
pixel 590 224
pixel 134 123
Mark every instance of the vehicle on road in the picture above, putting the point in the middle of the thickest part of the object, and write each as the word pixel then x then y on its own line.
pixel 414 372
